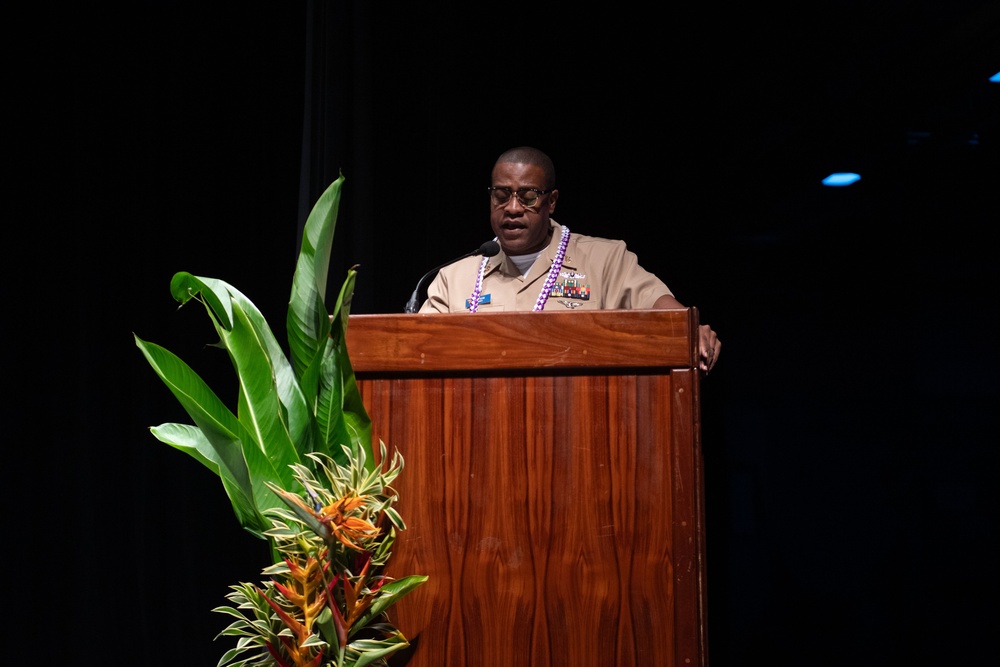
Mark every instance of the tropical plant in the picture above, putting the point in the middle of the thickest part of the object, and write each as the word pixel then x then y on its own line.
pixel 297 464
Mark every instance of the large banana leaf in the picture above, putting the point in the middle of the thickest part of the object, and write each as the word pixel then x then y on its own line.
pixel 221 440
pixel 232 471
pixel 286 408
pixel 317 339
pixel 340 415
pixel 259 362
pixel 308 322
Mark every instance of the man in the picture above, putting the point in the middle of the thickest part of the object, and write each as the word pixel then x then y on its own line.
pixel 542 265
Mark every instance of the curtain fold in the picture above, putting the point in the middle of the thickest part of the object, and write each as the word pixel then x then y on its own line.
pixel 337 135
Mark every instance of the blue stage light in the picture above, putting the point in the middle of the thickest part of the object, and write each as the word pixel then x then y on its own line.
pixel 841 178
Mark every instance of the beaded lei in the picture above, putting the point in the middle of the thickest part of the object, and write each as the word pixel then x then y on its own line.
pixel 550 281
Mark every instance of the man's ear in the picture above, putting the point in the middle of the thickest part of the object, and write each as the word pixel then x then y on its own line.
pixel 553 196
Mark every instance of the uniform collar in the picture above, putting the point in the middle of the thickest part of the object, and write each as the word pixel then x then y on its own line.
pixel 542 264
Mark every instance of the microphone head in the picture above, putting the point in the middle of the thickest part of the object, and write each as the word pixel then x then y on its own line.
pixel 489 249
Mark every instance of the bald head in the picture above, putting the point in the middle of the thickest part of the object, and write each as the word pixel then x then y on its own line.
pixel 532 156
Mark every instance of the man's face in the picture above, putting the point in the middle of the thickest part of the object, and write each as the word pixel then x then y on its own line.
pixel 521 230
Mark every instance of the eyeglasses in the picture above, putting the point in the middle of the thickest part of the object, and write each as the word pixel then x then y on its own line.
pixel 527 197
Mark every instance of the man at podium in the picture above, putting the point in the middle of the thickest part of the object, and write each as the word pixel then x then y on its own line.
pixel 537 264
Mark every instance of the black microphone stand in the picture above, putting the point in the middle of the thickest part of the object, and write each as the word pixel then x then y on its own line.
pixel 488 249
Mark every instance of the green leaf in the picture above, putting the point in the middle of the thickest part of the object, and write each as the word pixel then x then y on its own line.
pixel 294 409
pixel 308 322
pixel 184 287
pixel 370 650
pixel 225 461
pixel 389 594
pixel 223 431
pixel 260 408
pixel 267 384
pixel 326 626
pixel 294 503
pixel 350 425
pixel 331 421
pixel 324 370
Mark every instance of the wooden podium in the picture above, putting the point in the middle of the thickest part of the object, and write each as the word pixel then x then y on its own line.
pixel 552 486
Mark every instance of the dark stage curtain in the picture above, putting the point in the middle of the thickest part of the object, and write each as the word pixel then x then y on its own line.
pixel 337 135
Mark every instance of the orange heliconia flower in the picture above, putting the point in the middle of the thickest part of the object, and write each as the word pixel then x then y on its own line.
pixel 349 530
pixel 336 518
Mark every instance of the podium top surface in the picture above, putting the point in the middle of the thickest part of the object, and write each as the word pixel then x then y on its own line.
pixel 522 341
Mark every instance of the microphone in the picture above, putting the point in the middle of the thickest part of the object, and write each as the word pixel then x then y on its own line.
pixel 488 249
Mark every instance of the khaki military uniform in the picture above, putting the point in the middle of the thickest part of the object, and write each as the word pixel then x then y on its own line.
pixel 597 274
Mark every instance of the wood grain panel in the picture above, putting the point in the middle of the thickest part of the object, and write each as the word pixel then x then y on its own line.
pixel 556 513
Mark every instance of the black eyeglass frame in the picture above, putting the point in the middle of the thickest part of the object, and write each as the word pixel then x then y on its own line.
pixel 519 194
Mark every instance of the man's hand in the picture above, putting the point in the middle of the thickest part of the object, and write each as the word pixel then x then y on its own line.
pixel 709 347
pixel 709 344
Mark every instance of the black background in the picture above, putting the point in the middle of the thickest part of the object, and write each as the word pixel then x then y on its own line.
pixel 850 429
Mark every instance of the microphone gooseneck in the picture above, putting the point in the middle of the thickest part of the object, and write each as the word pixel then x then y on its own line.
pixel 488 249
